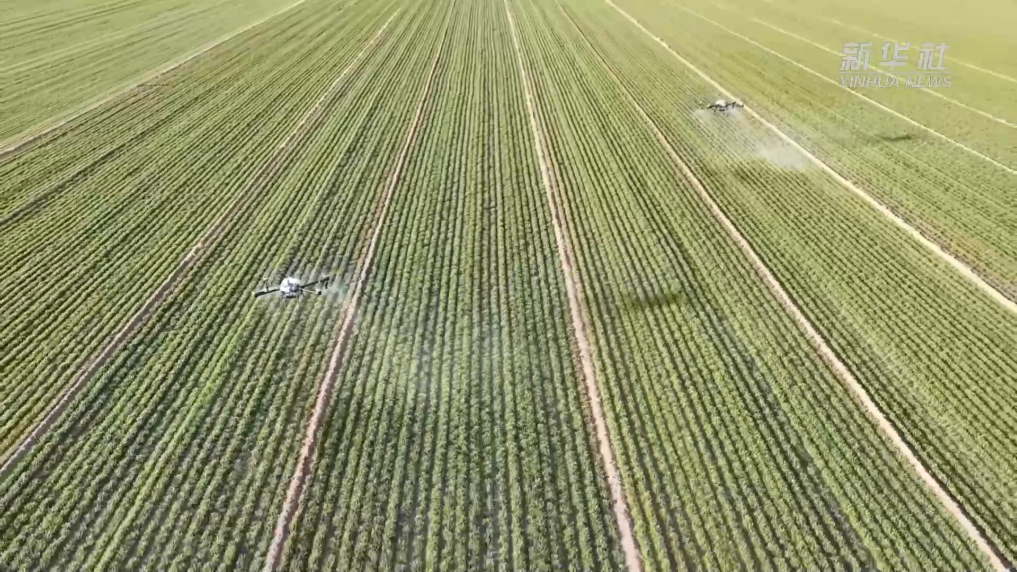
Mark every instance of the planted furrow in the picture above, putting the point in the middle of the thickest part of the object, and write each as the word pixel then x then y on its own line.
pixel 975 228
pixel 406 414
pixel 26 121
pixel 824 350
pixel 114 540
pixel 825 248
pixel 552 312
pixel 137 274
pixel 567 261
pixel 308 450
pixel 668 314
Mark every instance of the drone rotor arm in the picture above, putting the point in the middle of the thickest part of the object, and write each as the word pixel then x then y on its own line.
pixel 323 281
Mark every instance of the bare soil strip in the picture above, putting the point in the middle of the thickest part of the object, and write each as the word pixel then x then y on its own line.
pixel 927 90
pixel 852 92
pixel 819 344
pixel 308 450
pixel 576 298
pixel 936 249
pixel 218 228
pixel 36 133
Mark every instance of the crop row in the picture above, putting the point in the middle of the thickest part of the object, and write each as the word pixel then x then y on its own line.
pixel 59 60
pixel 738 449
pixel 178 456
pixel 457 438
pixel 105 241
pixel 68 22
pixel 962 202
pixel 936 355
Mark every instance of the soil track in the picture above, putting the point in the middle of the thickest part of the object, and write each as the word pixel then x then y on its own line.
pixel 308 450
pixel 218 228
pixel 817 342
pixel 573 289
pixel 936 249
pixel 32 137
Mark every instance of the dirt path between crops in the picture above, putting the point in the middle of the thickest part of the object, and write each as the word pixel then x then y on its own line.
pixel 218 228
pixel 936 249
pixel 573 289
pixel 308 450
pixel 816 340
pixel 31 138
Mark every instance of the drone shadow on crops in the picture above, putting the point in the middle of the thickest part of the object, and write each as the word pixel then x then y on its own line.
pixel 895 138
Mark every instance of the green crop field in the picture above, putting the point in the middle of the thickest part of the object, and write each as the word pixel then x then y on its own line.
pixel 551 311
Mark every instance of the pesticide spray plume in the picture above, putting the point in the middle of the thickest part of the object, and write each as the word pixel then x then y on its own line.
pixel 735 130
pixel 783 156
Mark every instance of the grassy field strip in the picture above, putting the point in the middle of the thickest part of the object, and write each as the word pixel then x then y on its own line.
pixel 969 87
pixel 238 397
pixel 459 437
pixel 45 92
pixel 816 341
pixel 858 94
pixel 934 353
pixel 278 162
pixel 221 225
pixel 134 122
pixel 314 425
pixel 929 91
pixel 942 253
pixel 115 235
pixel 34 134
pixel 147 27
pixel 708 385
pixel 102 85
pixel 974 89
pixel 187 10
pixel 986 71
pixel 33 178
pixel 61 24
pixel 64 22
pixel 576 298
pixel 961 62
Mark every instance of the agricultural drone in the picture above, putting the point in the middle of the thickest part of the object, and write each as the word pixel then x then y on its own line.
pixel 291 287
pixel 721 105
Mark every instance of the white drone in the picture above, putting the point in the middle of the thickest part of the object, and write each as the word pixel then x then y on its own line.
pixel 722 105
pixel 291 287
